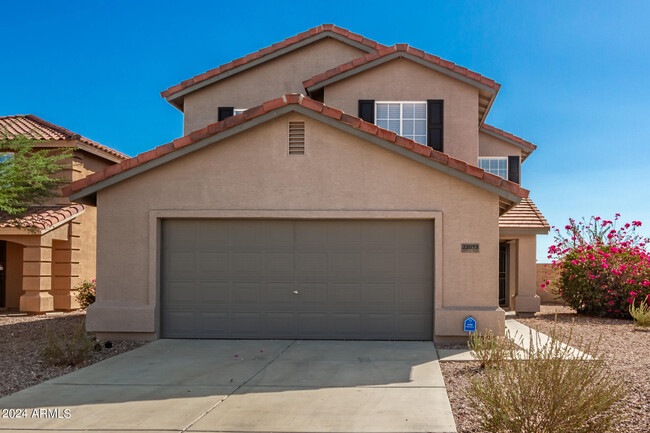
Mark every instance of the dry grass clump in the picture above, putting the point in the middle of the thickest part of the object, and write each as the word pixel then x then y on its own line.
pixel 551 388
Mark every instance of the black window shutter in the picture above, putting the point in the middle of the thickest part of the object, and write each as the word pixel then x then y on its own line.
pixel 435 117
pixel 225 112
pixel 367 110
pixel 514 169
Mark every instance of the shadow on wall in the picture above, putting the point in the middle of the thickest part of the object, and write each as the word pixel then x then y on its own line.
pixel 545 272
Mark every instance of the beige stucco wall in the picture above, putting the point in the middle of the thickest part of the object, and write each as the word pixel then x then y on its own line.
pixel 492 146
pixel 252 173
pixel 523 273
pixel 545 272
pixel 404 80
pixel 269 80
pixel 14 281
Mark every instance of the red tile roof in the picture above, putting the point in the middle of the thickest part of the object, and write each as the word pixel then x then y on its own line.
pixel 42 217
pixel 401 48
pixel 509 136
pixel 271 49
pixel 524 215
pixel 38 129
pixel 296 99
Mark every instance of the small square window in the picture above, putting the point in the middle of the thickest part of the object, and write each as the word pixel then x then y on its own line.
pixel 495 165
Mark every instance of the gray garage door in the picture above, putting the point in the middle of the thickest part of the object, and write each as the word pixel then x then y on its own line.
pixel 311 279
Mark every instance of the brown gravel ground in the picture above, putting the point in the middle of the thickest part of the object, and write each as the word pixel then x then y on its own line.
pixel 21 339
pixel 627 350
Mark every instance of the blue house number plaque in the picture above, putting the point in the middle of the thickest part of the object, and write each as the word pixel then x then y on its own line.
pixel 469 325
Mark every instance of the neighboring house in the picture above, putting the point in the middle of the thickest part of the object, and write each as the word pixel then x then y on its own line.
pixel 44 255
pixel 380 206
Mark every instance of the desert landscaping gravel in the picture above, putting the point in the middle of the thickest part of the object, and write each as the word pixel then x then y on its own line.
pixel 22 338
pixel 628 350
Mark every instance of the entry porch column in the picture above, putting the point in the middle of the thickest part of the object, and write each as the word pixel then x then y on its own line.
pixel 526 299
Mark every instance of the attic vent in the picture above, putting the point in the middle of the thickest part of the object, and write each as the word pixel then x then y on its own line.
pixel 296 138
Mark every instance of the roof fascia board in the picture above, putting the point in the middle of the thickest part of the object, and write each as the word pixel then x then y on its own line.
pixel 405 55
pixel 512 231
pixel 76 144
pixel 487 110
pixel 308 113
pixel 507 140
pixel 266 58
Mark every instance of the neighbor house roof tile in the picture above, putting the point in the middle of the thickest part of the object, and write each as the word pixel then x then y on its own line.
pixel 400 48
pixel 315 106
pixel 35 128
pixel 269 50
pixel 524 215
pixel 42 217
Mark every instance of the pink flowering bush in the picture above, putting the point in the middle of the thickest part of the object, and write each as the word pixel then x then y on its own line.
pixel 86 293
pixel 601 269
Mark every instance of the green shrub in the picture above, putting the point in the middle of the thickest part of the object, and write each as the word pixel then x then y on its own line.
pixel 548 390
pixel 488 349
pixel 641 314
pixel 86 293
pixel 68 348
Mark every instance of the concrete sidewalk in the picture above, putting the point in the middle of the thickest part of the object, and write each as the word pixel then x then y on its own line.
pixel 247 385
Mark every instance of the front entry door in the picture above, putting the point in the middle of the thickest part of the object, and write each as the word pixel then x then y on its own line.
pixel 3 273
pixel 503 274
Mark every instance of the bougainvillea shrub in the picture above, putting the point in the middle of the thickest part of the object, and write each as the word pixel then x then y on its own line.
pixel 601 269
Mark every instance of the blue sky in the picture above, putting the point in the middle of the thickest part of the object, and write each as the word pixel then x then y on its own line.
pixel 574 75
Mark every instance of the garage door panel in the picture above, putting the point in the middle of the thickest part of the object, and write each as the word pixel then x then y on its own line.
pixel 280 324
pixel 181 264
pixel 212 294
pixel 356 279
pixel 212 264
pixel 344 265
pixel 245 294
pixel 345 296
pixel 347 325
pixel 180 293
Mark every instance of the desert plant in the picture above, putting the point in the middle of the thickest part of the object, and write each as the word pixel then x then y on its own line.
pixel 551 388
pixel 600 269
pixel 490 350
pixel 86 293
pixel 641 314
pixel 65 348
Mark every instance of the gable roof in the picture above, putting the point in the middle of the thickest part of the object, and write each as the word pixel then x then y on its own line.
pixel 488 88
pixel 524 145
pixel 175 94
pixel 526 217
pixel 43 218
pixel 510 192
pixel 36 128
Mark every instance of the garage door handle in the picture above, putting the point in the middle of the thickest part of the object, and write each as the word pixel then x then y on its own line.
pixel 295 292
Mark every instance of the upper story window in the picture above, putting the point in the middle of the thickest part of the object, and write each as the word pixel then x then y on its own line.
pixel 494 164
pixel 408 119
pixel 237 111
pixel 421 121
pixel 225 112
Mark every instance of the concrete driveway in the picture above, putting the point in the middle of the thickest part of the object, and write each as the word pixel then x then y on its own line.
pixel 246 386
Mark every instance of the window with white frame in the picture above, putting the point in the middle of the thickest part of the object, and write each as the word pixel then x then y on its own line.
pixel 494 164
pixel 237 111
pixel 408 119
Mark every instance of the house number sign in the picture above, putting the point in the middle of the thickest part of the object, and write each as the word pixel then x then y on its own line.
pixel 469 248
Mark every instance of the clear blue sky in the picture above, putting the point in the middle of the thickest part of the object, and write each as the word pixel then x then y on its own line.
pixel 574 75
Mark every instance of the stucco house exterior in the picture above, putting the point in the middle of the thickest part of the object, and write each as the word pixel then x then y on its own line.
pixel 326 187
pixel 44 255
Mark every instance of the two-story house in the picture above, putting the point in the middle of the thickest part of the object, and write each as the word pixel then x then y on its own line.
pixel 49 251
pixel 326 187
